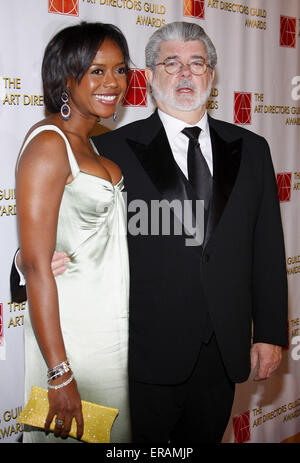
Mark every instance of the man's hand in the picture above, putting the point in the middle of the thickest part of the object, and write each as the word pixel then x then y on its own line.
pixel 266 358
pixel 58 263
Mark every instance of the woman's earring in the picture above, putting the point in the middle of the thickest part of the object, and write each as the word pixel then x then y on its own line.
pixel 115 116
pixel 65 109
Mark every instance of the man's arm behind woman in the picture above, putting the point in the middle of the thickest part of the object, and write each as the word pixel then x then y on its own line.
pixel 17 290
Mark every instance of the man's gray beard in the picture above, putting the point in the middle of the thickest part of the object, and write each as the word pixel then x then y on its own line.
pixel 197 100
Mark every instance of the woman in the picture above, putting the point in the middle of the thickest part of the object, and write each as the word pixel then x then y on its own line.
pixel 69 199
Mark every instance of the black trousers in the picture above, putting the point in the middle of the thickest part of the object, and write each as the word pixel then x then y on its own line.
pixel 196 411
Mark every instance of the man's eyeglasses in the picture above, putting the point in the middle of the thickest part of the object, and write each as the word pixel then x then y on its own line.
pixel 174 66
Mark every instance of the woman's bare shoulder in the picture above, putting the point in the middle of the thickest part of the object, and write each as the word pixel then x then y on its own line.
pixel 46 145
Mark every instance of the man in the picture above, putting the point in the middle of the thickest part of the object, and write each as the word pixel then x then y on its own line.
pixel 192 307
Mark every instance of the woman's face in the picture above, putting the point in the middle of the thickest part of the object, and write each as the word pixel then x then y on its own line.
pixel 103 86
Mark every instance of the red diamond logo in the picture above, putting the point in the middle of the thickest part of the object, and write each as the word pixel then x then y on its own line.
pixel 242 108
pixel 284 184
pixel 136 94
pixel 194 8
pixel 68 7
pixel 287 32
pixel 241 428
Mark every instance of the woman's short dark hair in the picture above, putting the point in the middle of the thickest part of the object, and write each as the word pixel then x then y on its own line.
pixel 70 54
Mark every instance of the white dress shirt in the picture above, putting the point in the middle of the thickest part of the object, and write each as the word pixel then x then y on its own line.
pixel 179 142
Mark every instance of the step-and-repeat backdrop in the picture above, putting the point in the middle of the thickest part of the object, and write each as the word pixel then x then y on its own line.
pixel 257 86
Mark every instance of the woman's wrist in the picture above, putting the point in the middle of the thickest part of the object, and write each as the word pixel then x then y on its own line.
pixel 55 384
pixel 59 376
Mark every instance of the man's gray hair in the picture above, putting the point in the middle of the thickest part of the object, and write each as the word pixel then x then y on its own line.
pixel 182 31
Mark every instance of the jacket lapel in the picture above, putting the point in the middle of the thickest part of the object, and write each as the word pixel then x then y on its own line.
pixel 226 163
pixel 154 153
pixel 157 160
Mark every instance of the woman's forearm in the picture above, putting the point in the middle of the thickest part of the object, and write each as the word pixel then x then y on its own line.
pixel 44 314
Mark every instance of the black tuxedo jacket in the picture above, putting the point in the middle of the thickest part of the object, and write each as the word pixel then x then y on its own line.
pixel 239 272
pixel 238 275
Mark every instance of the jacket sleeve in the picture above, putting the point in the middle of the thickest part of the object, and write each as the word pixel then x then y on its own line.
pixel 270 294
pixel 18 292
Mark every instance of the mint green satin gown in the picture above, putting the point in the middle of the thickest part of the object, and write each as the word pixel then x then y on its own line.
pixel 93 297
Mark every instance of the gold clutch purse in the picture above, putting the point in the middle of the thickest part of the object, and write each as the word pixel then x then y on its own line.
pixel 98 419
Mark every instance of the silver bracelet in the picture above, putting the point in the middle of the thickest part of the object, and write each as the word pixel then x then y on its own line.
pixel 58 370
pixel 65 383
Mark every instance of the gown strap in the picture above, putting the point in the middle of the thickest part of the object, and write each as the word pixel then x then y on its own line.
pixel 72 160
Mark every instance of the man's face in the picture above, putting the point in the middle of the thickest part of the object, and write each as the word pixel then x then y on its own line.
pixel 183 92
